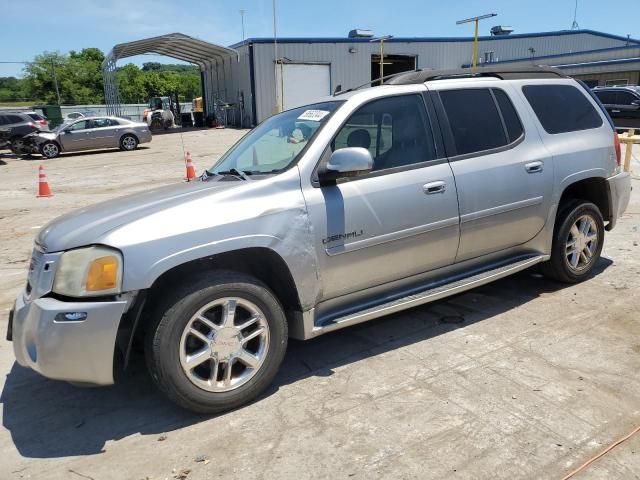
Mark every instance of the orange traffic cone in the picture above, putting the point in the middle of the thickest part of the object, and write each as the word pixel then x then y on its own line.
pixel 191 170
pixel 43 185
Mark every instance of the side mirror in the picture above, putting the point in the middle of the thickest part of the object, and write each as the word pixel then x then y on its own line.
pixel 346 162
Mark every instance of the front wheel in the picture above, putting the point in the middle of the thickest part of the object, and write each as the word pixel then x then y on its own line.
pixel 577 242
pixel 217 343
pixel 50 150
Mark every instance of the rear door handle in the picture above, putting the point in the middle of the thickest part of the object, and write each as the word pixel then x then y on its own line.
pixel 534 167
pixel 434 187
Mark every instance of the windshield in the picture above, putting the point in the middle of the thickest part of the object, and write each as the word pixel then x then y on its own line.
pixel 276 143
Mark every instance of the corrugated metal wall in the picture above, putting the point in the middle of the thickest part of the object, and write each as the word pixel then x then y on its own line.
pixel 350 69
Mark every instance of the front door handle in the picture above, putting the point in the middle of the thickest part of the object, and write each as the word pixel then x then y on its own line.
pixel 434 187
pixel 534 167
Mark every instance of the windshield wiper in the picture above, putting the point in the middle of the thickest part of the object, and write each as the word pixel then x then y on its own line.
pixel 235 172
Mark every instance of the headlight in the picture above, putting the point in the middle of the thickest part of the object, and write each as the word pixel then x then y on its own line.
pixel 87 272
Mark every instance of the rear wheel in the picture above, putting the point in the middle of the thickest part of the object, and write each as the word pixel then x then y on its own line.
pixel 128 142
pixel 577 242
pixel 50 149
pixel 217 343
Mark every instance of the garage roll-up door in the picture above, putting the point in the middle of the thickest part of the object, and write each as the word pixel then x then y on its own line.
pixel 302 83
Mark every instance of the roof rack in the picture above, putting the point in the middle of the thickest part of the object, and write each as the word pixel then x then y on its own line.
pixel 502 73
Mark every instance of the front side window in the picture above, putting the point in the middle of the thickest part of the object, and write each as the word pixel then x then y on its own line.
pixel 81 125
pixel 626 98
pixel 474 119
pixel 276 143
pixel 393 129
pixel 561 108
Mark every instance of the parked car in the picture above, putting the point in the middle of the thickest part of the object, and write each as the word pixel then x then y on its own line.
pixel 622 103
pixel 18 125
pixel 36 117
pixel 77 115
pixel 88 134
pixel 398 195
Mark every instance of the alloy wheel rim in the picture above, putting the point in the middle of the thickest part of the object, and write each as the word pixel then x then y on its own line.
pixel 582 243
pixel 224 344
pixel 50 150
pixel 129 143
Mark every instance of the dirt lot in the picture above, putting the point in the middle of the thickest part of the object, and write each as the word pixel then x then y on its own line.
pixel 532 380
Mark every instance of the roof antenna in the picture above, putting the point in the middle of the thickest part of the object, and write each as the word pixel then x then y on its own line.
pixel 574 25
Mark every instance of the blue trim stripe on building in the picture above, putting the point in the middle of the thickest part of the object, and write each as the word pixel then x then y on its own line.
pixel 434 39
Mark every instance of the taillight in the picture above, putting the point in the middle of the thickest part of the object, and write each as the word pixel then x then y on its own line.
pixel 616 145
pixel 43 122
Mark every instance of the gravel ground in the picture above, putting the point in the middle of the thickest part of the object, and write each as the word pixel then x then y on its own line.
pixel 534 378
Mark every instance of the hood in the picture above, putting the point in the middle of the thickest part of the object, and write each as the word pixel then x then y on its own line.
pixel 43 135
pixel 86 226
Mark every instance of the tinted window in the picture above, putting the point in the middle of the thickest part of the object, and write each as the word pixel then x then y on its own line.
pixel 35 116
pixel 394 129
pixel 625 98
pixel 15 119
pixel 561 108
pixel 607 98
pixel 474 119
pixel 3 120
pixel 114 123
pixel 509 115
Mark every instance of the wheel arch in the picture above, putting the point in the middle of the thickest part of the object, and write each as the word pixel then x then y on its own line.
pixel 594 189
pixel 260 262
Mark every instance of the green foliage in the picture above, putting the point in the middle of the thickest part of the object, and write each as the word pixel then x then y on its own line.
pixel 80 81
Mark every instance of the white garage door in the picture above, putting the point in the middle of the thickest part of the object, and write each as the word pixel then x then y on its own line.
pixel 302 83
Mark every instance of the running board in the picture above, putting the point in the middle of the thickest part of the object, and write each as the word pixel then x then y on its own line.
pixel 426 296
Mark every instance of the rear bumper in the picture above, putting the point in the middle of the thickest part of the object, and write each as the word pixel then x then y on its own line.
pixel 619 194
pixel 75 351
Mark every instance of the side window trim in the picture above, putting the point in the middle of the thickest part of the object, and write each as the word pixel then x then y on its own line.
pixel 434 129
pixel 447 133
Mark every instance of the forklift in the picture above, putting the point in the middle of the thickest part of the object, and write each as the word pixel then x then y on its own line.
pixel 163 112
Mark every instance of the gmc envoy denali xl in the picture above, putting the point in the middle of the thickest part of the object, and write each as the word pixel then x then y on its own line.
pixel 366 203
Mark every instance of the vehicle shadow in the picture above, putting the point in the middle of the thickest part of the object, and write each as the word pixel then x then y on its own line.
pixel 50 419
pixel 31 157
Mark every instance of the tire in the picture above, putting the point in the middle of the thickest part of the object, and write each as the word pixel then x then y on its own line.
pixel 128 142
pixel 171 341
pixel 574 218
pixel 49 150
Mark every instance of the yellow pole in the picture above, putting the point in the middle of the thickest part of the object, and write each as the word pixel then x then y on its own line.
pixel 381 60
pixel 475 46
pixel 627 154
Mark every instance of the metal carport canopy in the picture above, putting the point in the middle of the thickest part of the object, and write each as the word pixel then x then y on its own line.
pixel 175 45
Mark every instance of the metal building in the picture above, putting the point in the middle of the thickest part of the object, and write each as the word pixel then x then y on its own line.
pixel 259 77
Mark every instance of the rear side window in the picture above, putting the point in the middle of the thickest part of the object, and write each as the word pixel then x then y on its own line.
pixel 607 98
pixel 509 115
pixel 475 122
pixel 561 108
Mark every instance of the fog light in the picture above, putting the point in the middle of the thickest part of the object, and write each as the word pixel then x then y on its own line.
pixel 71 317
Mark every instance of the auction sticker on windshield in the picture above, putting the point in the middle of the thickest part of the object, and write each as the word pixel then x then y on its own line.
pixel 315 115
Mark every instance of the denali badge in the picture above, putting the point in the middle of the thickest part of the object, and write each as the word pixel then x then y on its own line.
pixel 342 236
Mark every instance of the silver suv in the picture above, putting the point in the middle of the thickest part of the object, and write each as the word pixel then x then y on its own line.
pixel 366 203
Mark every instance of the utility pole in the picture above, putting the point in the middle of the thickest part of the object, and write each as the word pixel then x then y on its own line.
pixel 279 105
pixel 242 20
pixel 55 80
pixel 475 38
pixel 381 40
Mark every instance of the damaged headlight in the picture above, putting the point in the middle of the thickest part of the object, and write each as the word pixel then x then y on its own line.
pixel 87 272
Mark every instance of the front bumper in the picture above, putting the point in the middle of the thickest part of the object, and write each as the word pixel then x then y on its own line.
pixel 619 194
pixel 75 351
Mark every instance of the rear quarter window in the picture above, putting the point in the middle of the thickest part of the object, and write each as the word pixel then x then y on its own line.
pixel 561 108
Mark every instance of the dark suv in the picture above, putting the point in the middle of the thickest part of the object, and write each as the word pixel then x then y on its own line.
pixel 622 103
pixel 14 126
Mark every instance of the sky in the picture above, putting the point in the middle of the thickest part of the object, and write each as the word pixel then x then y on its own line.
pixel 76 24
